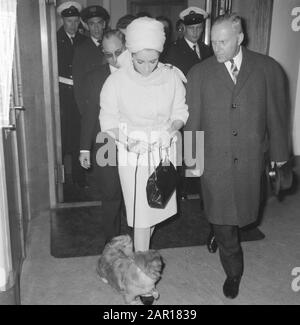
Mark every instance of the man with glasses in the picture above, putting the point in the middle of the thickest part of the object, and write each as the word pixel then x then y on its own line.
pixel 103 181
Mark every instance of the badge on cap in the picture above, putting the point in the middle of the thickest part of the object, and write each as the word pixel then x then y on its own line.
pixel 94 11
pixel 193 15
pixel 69 9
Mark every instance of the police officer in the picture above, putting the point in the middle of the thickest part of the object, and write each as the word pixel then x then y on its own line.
pixel 89 56
pixel 68 38
pixel 189 50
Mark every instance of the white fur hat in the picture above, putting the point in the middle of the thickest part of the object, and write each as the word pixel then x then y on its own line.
pixel 145 33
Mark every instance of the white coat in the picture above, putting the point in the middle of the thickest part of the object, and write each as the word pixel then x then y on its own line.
pixel 142 107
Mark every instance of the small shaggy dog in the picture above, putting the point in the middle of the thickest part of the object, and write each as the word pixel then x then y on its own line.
pixel 131 274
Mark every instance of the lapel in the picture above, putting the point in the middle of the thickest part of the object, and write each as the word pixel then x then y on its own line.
pixel 245 71
pixel 222 74
pixel 186 49
pixel 247 68
pixel 64 37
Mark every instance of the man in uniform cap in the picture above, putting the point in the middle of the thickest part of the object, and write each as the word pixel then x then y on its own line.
pixel 88 55
pixel 189 50
pixel 184 54
pixel 68 38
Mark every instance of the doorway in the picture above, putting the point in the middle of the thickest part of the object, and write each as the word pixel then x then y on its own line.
pixel 63 191
pixel 155 8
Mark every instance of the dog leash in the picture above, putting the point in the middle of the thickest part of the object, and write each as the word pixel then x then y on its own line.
pixel 134 197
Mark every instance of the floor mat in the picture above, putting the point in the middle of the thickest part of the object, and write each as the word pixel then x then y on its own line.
pixel 77 232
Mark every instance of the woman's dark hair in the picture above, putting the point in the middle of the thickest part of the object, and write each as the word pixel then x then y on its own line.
pixel 124 21
pixel 143 14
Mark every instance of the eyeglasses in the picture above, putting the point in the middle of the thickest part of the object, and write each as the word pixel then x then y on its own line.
pixel 110 55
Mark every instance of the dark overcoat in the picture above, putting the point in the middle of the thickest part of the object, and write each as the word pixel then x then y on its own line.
pixel 69 114
pixel 87 58
pixel 183 57
pixel 90 125
pixel 241 123
pixel 104 182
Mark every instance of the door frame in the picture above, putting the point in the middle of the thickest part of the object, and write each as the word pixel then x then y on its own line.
pixel 47 11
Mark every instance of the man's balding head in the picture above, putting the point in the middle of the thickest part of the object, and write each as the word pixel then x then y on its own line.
pixel 227 36
pixel 113 44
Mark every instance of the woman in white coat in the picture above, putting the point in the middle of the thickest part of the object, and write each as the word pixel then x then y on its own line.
pixel 142 107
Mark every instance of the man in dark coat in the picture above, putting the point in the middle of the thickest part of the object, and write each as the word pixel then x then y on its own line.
pixel 103 181
pixel 239 99
pixel 68 38
pixel 88 56
pixel 189 50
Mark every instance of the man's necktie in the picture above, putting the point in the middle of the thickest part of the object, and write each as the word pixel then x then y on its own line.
pixel 234 71
pixel 195 50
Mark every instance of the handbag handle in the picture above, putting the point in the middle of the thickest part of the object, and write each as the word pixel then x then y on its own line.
pixel 160 159
pixel 149 161
pixel 154 164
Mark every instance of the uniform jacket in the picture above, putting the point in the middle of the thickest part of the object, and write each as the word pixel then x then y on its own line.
pixel 65 52
pixel 87 58
pixel 69 114
pixel 183 57
pixel 241 123
pixel 90 125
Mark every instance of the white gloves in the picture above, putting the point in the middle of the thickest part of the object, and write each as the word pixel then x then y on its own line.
pixel 166 138
pixel 137 146
pixel 164 141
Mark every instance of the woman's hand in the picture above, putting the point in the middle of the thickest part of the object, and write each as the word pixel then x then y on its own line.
pixel 137 146
pixel 165 139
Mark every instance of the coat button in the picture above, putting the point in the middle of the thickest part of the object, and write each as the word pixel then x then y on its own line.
pixel 234 133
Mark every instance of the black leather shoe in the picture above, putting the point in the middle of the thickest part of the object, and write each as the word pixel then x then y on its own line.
pixel 211 243
pixel 231 287
pixel 147 300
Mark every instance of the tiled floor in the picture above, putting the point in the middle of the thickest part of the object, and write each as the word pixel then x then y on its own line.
pixel 191 276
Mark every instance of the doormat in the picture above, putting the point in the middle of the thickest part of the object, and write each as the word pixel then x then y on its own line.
pixel 77 232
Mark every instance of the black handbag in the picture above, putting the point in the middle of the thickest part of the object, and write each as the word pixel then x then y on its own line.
pixel 161 184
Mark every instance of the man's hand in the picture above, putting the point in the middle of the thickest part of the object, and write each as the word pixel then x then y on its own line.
pixel 278 164
pixel 85 159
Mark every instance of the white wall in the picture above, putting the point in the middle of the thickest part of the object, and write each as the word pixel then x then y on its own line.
pixel 118 8
pixel 197 3
pixel 285 48
pixel 296 124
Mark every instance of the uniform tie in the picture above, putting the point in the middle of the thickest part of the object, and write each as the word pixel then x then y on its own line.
pixel 234 71
pixel 195 50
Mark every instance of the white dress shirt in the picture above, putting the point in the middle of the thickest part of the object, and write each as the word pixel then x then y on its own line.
pixel 191 45
pixel 238 62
